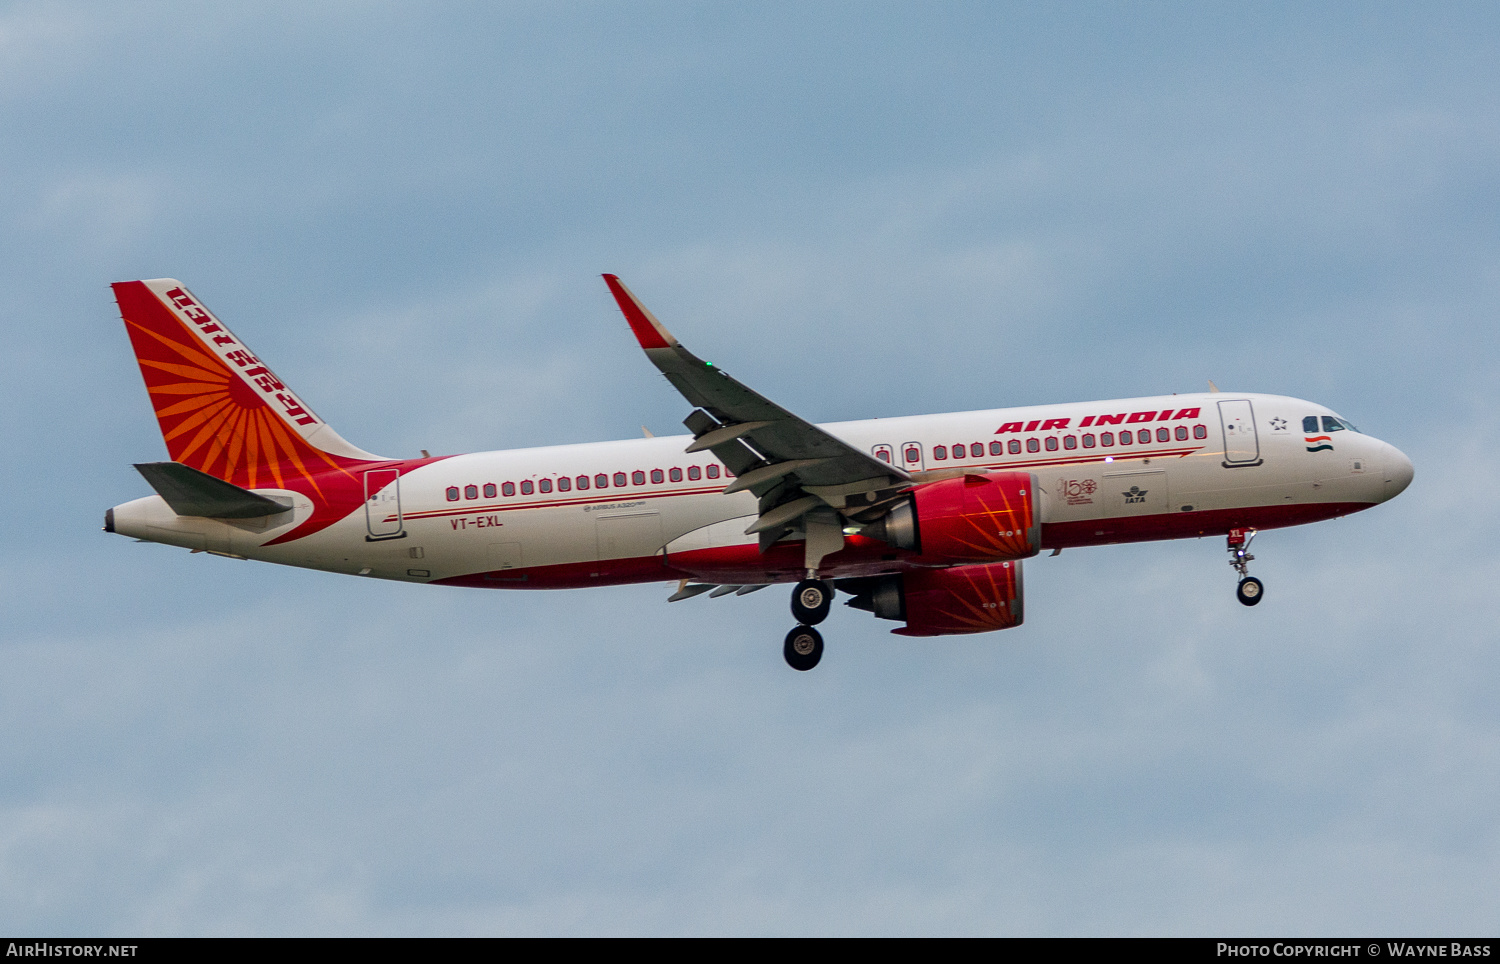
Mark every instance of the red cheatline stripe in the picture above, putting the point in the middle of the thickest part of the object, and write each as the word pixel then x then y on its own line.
pixel 559 503
pixel 658 494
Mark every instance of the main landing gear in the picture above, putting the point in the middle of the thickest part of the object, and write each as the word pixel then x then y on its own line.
pixel 803 648
pixel 811 601
pixel 1250 589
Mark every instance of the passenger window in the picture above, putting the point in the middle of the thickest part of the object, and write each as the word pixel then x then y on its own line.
pixel 545 485
pixel 675 475
pixel 471 492
pixel 1015 446
pixel 564 484
pixel 452 493
pixel 1070 442
pixel 996 448
pixel 1052 443
pixel 1088 441
pixel 1106 439
pixel 657 477
pixel 1163 435
pixel 713 471
pixel 489 490
pixel 527 488
pixel 1032 445
pixel 1182 433
pixel 509 488
pixel 1331 424
pixel 583 482
pixel 976 450
pixel 1200 431
pixel 601 481
pixel 913 454
pixel 940 453
pixel 694 473
pixel 1310 424
pixel 619 479
pixel 638 477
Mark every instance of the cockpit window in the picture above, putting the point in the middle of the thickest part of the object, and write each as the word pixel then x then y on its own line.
pixel 1310 424
pixel 1331 424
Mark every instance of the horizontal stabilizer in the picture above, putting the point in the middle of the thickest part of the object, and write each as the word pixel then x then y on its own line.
pixel 190 492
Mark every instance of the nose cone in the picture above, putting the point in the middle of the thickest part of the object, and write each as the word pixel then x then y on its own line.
pixel 1398 471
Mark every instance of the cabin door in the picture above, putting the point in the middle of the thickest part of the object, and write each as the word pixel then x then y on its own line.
pixel 1241 443
pixel 383 503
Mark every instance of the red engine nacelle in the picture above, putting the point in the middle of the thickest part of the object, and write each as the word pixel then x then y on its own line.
pixel 946 602
pixel 979 517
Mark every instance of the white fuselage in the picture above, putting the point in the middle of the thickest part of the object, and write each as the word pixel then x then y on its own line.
pixel 1247 460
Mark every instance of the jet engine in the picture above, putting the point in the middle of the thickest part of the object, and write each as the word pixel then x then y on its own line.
pixel 978 517
pixel 944 602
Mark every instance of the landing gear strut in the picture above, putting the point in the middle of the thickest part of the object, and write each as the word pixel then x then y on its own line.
pixel 803 649
pixel 1250 589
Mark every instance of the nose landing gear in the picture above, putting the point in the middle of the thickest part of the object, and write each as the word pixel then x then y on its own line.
pixel 811 601
pixel 1250 589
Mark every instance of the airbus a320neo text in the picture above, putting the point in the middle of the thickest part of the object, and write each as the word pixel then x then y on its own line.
pixel 924 520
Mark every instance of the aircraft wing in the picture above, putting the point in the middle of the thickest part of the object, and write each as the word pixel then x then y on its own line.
pixel 794 467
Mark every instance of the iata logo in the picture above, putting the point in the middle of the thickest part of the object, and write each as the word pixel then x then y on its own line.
pixel 1077 491
pixel 1136 495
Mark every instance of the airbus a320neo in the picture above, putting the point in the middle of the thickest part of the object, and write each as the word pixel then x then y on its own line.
pixel 924 520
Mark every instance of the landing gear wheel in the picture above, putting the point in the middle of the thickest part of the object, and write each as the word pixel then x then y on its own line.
pixel 1250 591
pixel 803 649
pixel 811 601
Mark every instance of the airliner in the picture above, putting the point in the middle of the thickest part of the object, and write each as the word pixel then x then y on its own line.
pixel 922 520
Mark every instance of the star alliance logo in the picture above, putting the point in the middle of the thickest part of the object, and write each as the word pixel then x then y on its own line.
pixel 1136 495
pixel 1278 425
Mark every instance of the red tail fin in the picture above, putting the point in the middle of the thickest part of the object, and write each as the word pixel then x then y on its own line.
pixel 221 410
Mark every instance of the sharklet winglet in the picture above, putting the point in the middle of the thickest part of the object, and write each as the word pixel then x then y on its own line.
pixel 648 331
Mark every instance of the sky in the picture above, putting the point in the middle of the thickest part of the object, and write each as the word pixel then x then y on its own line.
pixel 861 210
